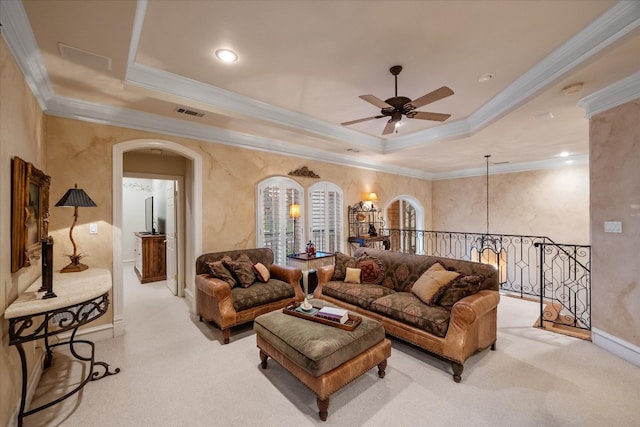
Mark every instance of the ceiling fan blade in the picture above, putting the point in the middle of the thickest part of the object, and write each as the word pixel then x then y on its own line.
pixel 389 128
pixel 436 117
pixel 376 101
pixel 434 96
pixel 353 122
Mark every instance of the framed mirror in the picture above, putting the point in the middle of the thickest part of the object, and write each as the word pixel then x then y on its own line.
pixel 29 213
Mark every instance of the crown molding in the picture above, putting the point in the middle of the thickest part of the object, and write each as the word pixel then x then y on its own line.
pixel 621 92
pixel 224 101
pixel 615 23
pixel 131 119
pixel 16 29
pixel 514 167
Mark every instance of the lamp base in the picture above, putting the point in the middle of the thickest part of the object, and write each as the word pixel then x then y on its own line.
pixel 74 268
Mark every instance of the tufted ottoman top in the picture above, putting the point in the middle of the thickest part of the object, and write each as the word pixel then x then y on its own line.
pixel 315 347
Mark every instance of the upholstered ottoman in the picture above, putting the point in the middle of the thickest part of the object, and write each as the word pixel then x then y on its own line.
pixel 322 357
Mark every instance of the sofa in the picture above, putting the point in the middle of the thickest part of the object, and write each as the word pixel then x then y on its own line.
pixel 458 320
pixel 234 287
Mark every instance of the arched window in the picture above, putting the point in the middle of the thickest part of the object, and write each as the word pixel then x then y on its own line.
pixel 404 216
pixel 275 227
pixel 326 217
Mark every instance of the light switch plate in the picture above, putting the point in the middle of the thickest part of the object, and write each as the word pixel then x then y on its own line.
pixel 93 228
pixel 613 226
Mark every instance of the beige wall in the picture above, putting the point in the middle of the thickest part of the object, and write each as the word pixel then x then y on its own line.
pixel 615 196
pixel 552 203
pixel 21 134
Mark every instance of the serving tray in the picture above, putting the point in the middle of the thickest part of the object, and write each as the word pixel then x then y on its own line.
pixel 349 325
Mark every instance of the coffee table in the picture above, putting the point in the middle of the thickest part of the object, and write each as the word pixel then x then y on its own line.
pixel 322 357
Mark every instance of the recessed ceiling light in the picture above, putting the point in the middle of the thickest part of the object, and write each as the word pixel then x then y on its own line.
pixel 485 77
pixel 564 154
pixel 569 162
pixel 226 55
pixel 398 124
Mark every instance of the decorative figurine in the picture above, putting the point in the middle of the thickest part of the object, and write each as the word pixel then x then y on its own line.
pixel 372 230
pixel 311 249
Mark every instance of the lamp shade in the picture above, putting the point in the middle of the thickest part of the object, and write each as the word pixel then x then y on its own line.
pixel 373 197
pixel 294 211
pixel 76 197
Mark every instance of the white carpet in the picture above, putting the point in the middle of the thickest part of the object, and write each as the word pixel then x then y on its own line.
pixel 175 372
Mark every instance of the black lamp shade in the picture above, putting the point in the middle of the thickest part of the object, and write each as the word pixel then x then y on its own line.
pixel 76 197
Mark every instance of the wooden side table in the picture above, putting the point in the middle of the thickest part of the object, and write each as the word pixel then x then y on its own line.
pixel 81 298
pixel 306 263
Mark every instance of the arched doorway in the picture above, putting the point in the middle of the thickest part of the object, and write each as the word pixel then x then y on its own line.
pixel 405 215
pixel 193 217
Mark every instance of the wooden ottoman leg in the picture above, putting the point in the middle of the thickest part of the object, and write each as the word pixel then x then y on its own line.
pixel 263 359
pixel 226 333
pixel 381 368
pixel 323 407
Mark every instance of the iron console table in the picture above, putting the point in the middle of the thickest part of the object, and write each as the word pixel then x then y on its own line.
pixel 81 298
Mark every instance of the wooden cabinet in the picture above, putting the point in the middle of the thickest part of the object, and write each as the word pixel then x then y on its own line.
pixel 150 257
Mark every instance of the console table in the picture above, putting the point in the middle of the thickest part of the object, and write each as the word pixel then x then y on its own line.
pixel 305 263
pixel 81 298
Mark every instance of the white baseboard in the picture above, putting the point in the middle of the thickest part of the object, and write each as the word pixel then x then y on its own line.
pixel 191 301
pixel 32 384
pixel 613 344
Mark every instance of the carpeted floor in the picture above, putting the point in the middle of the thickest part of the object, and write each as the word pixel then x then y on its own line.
pixel 175 372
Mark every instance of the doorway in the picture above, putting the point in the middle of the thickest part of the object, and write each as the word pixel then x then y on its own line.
pixel 191 209
pixel 153 204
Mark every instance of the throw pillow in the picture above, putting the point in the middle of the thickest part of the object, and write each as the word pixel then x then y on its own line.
pixel 262 272
pixel 219 271
pixel 242 270
pixel 342 262
pixel 372 269
pixel 460 288
pixel 433 283
pixel 352 275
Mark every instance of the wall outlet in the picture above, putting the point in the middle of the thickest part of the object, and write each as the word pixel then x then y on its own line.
pixel 93 228
pixel 613 226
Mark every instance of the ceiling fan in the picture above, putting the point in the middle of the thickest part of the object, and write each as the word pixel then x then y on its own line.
pixel 396 107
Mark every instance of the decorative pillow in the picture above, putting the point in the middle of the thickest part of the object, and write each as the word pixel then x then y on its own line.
pixel 372 269
pixel 460 288
pixel 352 276
pixel 433 283
pixel 242 270
pixel 218 270
pixel 342 262
pixel 262 272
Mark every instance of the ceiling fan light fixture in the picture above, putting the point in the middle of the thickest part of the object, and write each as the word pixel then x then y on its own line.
pixel 226 55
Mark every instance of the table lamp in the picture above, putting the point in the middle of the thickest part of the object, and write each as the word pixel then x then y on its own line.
pixel 75 197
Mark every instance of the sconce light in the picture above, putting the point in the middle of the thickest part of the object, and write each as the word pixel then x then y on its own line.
pixel 373 197
pixel 75 197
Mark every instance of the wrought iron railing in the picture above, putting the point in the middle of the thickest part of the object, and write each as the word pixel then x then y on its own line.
pixel 524 263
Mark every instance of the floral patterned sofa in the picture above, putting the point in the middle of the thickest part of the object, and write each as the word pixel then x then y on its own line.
pixel 459 320
pixel 234 287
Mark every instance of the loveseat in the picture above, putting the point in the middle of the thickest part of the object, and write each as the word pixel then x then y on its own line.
pixel 460 319
pixel 234 287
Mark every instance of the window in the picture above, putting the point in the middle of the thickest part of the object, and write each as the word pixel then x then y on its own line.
pixel 326 214
pixel 405 215
pixel 275 229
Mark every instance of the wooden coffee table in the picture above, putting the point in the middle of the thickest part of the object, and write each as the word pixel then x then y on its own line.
pixel 323 358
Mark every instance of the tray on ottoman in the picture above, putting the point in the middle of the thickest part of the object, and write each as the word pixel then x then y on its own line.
pixel 293 310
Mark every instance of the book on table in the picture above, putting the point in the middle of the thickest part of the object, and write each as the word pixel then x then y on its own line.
pixel 333 313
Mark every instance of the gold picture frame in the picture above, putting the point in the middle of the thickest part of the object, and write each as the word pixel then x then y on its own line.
pixel 29 213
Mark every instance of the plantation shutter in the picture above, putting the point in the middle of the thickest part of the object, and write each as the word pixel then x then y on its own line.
pixel 326 209
pixel 275 227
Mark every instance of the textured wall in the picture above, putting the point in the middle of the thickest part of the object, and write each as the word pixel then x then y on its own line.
pixel 615 196
pixel 552 203
pixel 21 134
